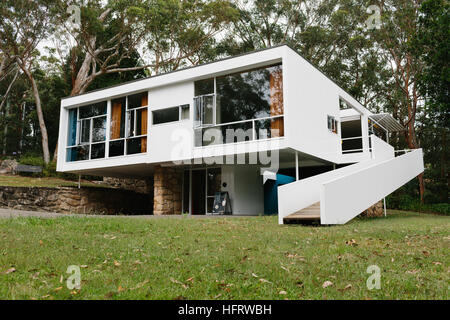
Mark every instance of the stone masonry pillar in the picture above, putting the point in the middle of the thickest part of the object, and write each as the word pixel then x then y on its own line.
pixel 167 190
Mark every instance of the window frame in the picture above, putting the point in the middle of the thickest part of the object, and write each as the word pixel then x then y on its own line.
pixel 107 140
pixel 90 142
pixel 199 125
pixel 180 113
pixel 334 128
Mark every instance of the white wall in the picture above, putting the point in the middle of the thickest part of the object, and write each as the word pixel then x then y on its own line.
pixel 309 97
pixel 244 185
pixel 174 140
pixel 345 197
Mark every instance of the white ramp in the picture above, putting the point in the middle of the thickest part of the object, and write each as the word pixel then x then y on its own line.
pixel 344 193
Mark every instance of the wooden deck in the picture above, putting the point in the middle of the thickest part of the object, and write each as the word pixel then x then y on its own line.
pixel 310 214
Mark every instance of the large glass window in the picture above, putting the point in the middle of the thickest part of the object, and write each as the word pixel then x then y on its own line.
pixel 87 132
pixel 129 125
pixel 87 136
pixel 250 102
pixel 250 95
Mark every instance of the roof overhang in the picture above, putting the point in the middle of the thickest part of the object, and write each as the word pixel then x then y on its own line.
pixel 387 121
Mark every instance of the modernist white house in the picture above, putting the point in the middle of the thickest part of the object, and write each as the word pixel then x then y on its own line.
pixel 266 127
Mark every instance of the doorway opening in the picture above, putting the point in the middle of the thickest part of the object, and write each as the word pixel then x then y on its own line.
pixel 199 188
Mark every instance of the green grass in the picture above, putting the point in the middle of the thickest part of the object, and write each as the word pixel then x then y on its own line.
pixel 50 182
pixel 224 258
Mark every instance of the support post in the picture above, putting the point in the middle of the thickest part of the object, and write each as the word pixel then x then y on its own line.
pixel 384 204
pixel 79 181
pixel 190 191
pixel 296 166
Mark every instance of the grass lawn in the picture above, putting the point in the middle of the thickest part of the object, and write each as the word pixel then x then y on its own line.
pixel 224 258
pixel 29 181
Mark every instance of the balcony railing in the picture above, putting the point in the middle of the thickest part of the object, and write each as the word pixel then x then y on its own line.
pixel 240 131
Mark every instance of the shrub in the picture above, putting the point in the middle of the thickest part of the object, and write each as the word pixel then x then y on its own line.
pixel 32 161
pixel 409 203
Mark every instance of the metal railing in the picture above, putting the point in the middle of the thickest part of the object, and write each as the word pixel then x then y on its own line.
pixel 243 130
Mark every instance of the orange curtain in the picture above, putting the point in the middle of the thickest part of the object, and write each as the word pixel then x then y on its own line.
pixel 116 117
pixel 276 102
pixel 144 122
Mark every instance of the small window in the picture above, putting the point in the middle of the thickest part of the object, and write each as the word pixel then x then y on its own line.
pixel 171 114
pixel 185 112
pixel 166 115
pixel 343 105
pixel 332 124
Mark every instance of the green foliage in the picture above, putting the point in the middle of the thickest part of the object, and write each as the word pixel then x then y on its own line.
pixel 409 203
pixel 32 160
pixel 431 44
pixel 48 170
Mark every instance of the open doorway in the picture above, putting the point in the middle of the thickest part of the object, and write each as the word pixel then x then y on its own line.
pixel 199 188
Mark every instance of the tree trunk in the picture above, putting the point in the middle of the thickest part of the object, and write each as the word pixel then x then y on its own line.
pixel 412 144
pixel 40 114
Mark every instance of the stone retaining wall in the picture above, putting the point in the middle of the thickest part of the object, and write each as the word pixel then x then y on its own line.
pixel 137 185
pixel 74 200
pixel 377 210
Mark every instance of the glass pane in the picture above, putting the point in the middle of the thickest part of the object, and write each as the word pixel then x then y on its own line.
pixel 238 132
pixel 138 100
pixel 269 128
pixel 116 148
pixel 210 203
pixel 141 122
pixel 93 110
pixel 186 192
pixel 118 118
pixel 99 129
pixel 78 153
pixel 208 110
pixel 352 145
pixel 135 145
pixel 203 87
pixel 250 95
pixel 130 123
pixel 72 135
pixel 85 131
pixel 198 102
pixel 198 137
pixel 185 112
pixel 214 181
pixel 166 115
pixel 97 151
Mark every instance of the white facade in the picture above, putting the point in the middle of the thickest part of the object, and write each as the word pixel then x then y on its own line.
pixel 309 99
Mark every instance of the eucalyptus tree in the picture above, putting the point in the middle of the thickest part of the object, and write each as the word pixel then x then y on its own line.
pixel 398 27
pixel 23 26
pixel 105 36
